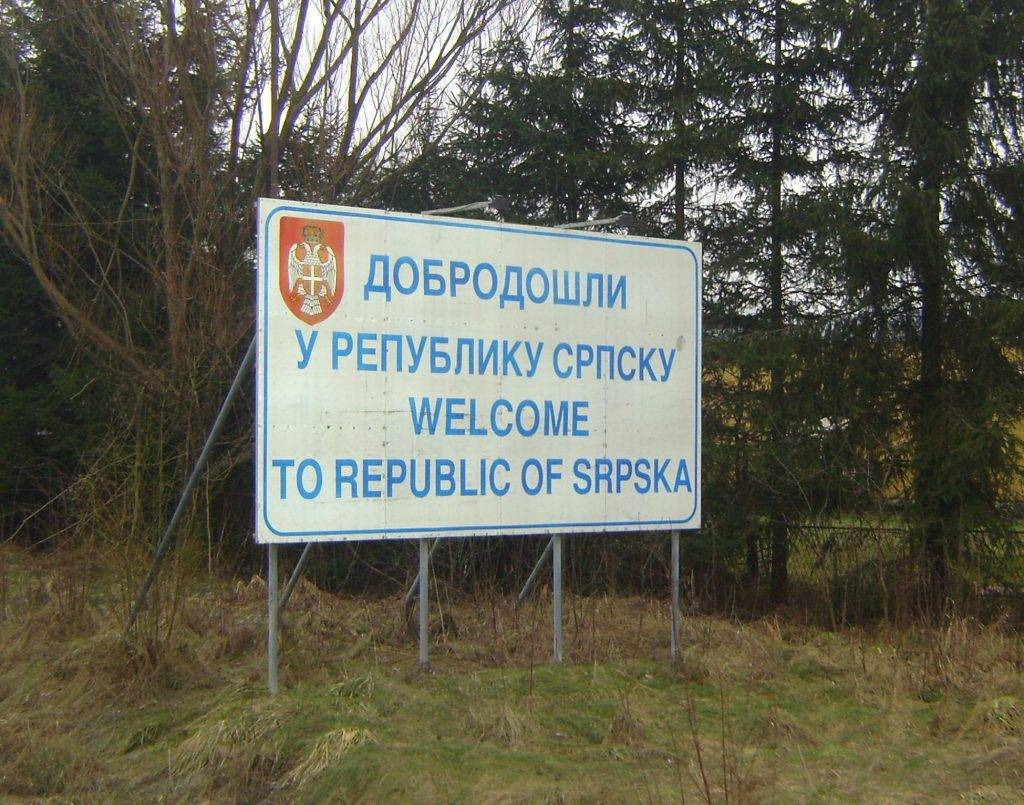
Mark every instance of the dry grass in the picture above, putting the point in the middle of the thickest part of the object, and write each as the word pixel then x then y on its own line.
pixel 753 711
pixel 625 727
pixel 327 752
pixel 500 724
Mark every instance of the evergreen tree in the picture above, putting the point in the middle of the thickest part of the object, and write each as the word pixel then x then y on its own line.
pixel 676 57
pixel 546 124
pixel 944 79
pixel 784 114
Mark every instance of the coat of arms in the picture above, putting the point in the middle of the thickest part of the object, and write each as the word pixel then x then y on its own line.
pixel 311 267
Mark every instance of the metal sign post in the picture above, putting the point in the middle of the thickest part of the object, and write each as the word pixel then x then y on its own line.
pixel 556 594
pixel 410 594
pixel 674 649
pixel 424 604
pixel 272 618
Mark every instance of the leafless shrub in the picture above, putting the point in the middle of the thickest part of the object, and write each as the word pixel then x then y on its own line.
pixel 213 104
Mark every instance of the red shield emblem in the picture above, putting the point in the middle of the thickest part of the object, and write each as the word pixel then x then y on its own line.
pixel 311 267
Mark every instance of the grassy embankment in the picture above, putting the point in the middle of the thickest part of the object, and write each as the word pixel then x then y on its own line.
pixel 752 712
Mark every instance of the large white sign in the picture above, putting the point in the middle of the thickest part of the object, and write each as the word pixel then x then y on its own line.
pixel 436 376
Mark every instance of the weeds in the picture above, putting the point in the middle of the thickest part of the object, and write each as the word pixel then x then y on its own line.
pixel 326 752
pixel 502 725
pixel 750 711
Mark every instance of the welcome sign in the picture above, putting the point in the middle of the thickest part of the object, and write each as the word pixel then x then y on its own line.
pixel 434 376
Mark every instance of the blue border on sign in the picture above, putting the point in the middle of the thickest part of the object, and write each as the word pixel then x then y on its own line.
pixel 538 232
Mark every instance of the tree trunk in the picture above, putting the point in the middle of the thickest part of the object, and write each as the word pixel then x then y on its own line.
pixel 679 99
pixel 778 529
pixel 274 145
pixel 573 208
pixel 932 431
pixel 947 71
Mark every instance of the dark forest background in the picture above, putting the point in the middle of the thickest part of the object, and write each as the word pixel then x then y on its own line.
pixel 853 168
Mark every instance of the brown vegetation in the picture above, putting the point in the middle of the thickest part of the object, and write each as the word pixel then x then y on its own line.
pixel 751 711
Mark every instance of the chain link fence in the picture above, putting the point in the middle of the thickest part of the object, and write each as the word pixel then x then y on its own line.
pixel 837 574
pixel 855 574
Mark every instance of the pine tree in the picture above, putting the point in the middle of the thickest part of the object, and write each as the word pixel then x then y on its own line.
pixel 944 81
pixel 546 124
pixel 675 55
pixel 783 119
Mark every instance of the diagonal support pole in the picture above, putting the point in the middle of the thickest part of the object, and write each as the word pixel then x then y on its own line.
pixel 197 471
pixel 410 594
pixel 534 574
pixel 300 567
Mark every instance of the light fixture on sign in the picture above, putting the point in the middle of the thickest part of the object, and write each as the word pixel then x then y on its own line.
pixel 625 220
pixel 496 203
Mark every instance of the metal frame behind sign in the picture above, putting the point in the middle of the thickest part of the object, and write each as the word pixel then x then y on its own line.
pixel 441 529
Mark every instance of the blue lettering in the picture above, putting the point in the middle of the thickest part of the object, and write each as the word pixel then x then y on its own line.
pixel 623 472
pixel 453 414
pixel 458 277
pixel 618 290
pixel 419 491
pixel 341 345
pixel 683 477
pixel 465 491
pixel 497 429
pixel 414 273
pixel 283 464
pixel 318 476
pixel 345 472
pixel 533 420
pixel 485 268
pixel 371 475
pixel 416 349
pixel 623 351
pixel 306 350
pixel 383 285
pixel 642 471
pixel 532 467
pixel 542 295
pixel 667 358
pixel 556 421
pixel 474 429
pixel 444 473
pixel 581 471
pixel 580 417
pixel 562 373
pixel 427 413
pixel 366 348
pixel 646 356
pixel 396 472
pixel 660 480
pixel 508 358
pixel 533 357
pixel 496 489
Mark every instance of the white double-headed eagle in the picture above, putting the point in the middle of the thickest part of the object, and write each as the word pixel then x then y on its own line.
pixel 313 270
